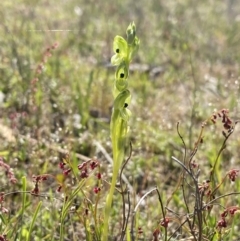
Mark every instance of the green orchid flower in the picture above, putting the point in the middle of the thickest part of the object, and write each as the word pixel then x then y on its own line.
pixel 124 51
pixel 121 76
pixel 121 103
pixel 120 48
pixel 131 32
pixel 133 48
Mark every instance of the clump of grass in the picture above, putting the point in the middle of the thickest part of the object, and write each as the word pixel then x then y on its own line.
pixel 203 194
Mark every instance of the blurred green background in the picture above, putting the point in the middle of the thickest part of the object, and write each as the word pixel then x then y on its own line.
pixel 187 67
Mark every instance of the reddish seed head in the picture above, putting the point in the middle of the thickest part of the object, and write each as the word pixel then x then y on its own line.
pixel 208 193
pixel 44 177
pixel 226 126
pixel 35 191
pixel 223 119
pixel 229 121
pixel 222 223
pixel 140 231
pixel 165 222
pixel 156 233
pixel 93 165
pixel 39 178
pixel 213 121
pixel 96 190
pixel 223 114
pixel 225 111
pixel 99 175
pixel 61 165
pixel 3 238
pixel 59 188
pixel 84 174
pixel 1 197
pixel 208 207
pixel 232 210
pixel 82 165
pixel 224 214
pixel 232 174
pixel 35 178
pixel 66 172
pixel 8 171
pixel 194 164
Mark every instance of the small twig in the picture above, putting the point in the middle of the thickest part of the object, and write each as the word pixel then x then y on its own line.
pixel 142 198
pixel 198 198
pixel 136 208
pixel 125 219
pixel 163 212
pixel 129 209
pixel 222 196
pixel 184 167
pixel 219 153
pixel 184 162
pixel 124 164
pixel 161 203
pixel 184 144
pixel 196 145
pixel 180 226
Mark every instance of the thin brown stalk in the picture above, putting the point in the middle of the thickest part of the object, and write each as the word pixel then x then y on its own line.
pixel 163 212
pixel 125 217
pixel 219 153
pixel 135 210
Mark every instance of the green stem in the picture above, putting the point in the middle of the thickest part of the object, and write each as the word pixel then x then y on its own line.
pixel 108 206
pixel 66 206
pixel 118 132
pixel 33 220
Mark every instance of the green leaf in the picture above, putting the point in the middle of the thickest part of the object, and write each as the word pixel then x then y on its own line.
pixel 24 197
pixel 33 220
